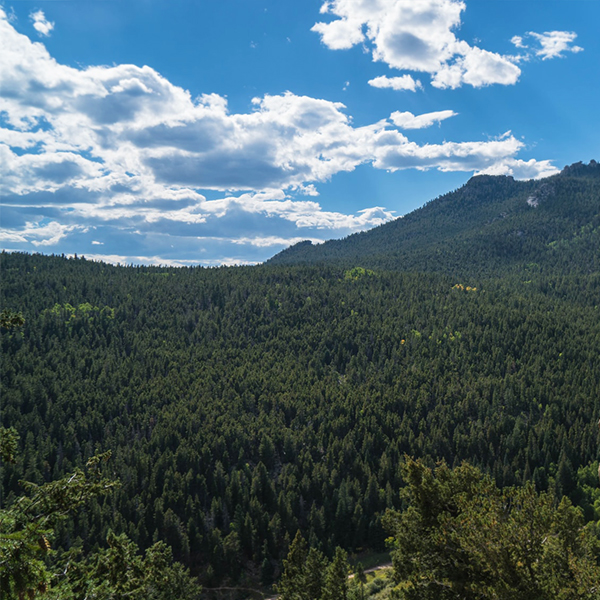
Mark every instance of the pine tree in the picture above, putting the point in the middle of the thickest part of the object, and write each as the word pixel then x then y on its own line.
pixel 290 587
pixel 314 577
pixel 336 577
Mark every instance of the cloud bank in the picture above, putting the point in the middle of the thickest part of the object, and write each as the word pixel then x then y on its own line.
pixel 89 156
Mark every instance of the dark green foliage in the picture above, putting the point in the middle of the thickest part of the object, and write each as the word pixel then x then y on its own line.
pixel 308 575
pixel 30 568
pixel 28 525
pixel 10 319
pixel 244 404
pixel 356 588
pixel 462 537
pixel 121 572
pixel 316 570
pixel 335 586
pixel 292 585
pixel 490 226
pixel 9 441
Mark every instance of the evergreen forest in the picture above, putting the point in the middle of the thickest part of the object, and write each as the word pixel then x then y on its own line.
pixel 254 415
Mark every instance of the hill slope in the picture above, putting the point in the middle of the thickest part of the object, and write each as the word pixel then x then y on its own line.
pixel 241 404
pixel 492 224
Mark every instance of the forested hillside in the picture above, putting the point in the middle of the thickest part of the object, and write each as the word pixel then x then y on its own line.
pixel 490 226
pixel 241 404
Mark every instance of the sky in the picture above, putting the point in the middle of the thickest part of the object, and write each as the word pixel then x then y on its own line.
pixel 186 132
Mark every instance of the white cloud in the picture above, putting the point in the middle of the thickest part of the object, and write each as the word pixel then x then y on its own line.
pixel 448 156
pixel 302 213
pixel 40 234
pixel 415 36
pixel 342 34
pixel 267 242
pixel 550 44
pixel 41 24
pixel 48 171
pixel 157 261
pixel 406 82
pixel 128 128
pixel 517 40
pixel 406 120
pixel 122 152
pixel 555 43
pixel 11 15
pixel 477 68
pixel 520 169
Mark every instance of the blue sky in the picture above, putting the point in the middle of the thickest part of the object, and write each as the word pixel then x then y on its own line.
pixel 192 132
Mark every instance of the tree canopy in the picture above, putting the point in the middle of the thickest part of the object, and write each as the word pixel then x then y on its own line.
pixel 243 404
pixel 462 537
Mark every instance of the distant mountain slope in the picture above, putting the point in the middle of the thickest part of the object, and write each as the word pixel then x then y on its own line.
pixel 491 225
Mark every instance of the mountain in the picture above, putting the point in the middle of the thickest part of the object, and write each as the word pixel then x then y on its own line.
pixel 491 225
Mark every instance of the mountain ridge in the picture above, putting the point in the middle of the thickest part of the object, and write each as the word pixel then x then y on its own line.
pixel 492 222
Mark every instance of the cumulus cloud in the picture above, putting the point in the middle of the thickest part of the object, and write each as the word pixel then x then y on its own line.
pixel 406 82
pixel 41 24
pixel 123 154
pixel 415 36
pixel 46 171
pixel 406 120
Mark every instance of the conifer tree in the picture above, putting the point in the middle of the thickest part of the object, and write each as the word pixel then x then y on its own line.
pixel 27 526
pixel 336 577
pixel 290 587
pixel 314 579
pixel 464 538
